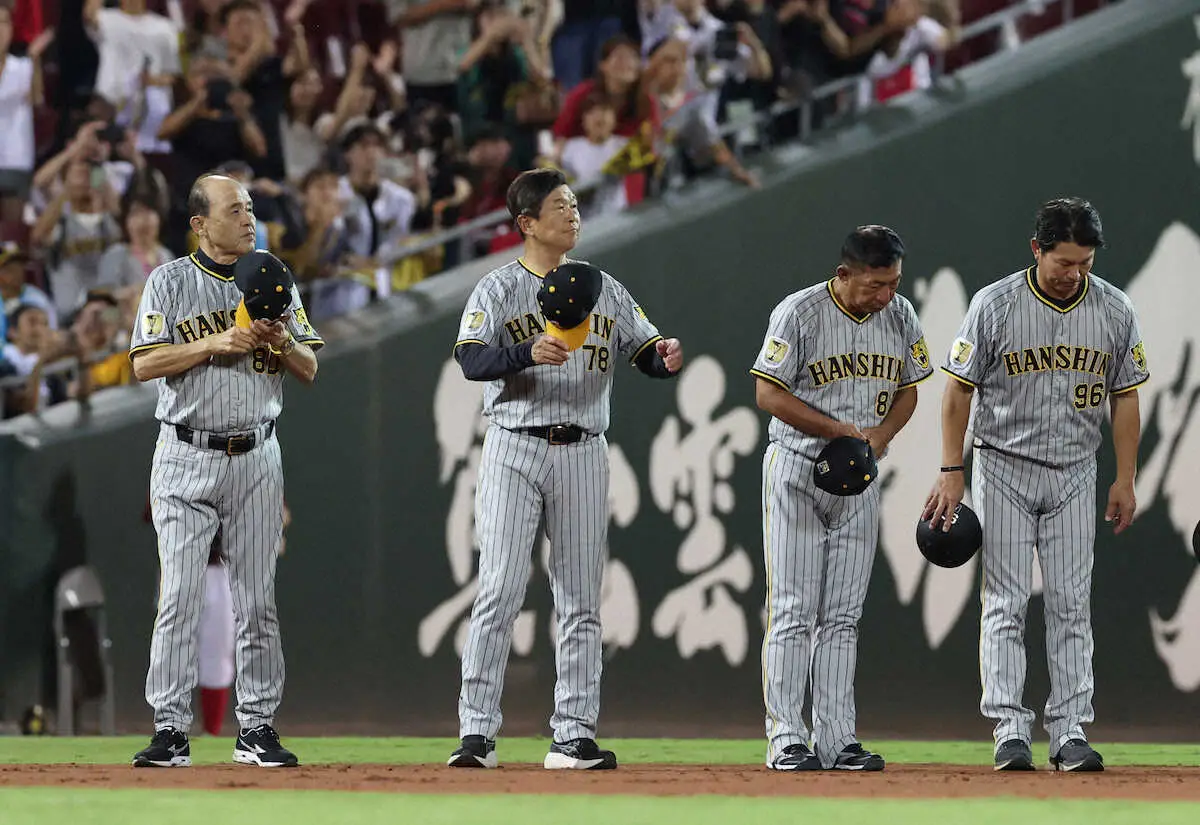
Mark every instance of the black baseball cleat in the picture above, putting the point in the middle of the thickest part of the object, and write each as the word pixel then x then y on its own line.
pixel 260 746
pixel 795 757
pixel 856 758
pixel 474 752
pixel 579 755
pixel 1077 755
pixel 1014 755
pixel 168 748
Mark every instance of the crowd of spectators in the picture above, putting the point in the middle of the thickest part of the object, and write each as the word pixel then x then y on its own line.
pixel 364 128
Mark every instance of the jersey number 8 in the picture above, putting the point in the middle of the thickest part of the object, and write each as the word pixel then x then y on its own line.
pixel 265 361
pixel 1086 396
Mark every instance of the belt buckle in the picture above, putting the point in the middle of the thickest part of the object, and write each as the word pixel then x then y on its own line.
pixel 554 430
pixel 236 440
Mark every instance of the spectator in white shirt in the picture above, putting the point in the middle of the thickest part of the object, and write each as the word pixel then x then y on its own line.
pixel 73 232
pixel 29 338
pixel 20 91
pixel 15 290
pixel 139 63
pixel 716 51
pixel 378 211
pixel 584 159
pixel 689 116
pixel 902 62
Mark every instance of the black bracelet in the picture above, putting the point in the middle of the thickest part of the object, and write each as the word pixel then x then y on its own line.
pixel 955 469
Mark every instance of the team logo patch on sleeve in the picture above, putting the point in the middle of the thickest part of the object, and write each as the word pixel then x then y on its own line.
pixel 153 324
pixel 920 354
pixel 961 352
pixel 475 320
pixel 302 320
pixel 775 351
pixel 1139 356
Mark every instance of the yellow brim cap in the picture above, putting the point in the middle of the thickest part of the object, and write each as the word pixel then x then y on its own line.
pixel 573 337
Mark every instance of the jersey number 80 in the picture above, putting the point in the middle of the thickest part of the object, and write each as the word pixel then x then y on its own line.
pixel 265 361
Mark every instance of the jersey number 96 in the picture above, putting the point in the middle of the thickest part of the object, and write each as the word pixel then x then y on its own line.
pixel 266 362
pixel 1089 396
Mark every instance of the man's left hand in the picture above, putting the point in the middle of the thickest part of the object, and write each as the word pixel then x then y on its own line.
pixel 272 333
pixel 1122 504
pixel 879 440
pixel 672 353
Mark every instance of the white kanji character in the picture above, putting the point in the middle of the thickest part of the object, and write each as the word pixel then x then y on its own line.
pixel 690 479
pixel 1191 109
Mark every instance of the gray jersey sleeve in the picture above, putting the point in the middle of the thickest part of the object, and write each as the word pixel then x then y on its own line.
pixel 634 330
pixel 1130 370
pixel 973 351
pixel 299 325
pixel 155 326
pixel 916 366
pixel 782 355
pixel 483 317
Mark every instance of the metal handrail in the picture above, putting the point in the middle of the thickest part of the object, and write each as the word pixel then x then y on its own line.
pixel 994 21
pixel 1004 18
pixel 67 364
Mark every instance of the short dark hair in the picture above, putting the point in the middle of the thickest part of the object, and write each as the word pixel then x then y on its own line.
pixel 232 6
pixel 315 174
pixel 135 198
pixel 14 317
pixel 873 247
pixel 596 100
pixel 102 296
pixel 1067 220
pixel 358 133
pixel 529 191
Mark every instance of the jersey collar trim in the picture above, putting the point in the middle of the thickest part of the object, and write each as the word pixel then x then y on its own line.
pixel 1047 300
pixel 210 267
pixel 858 319
pixel 525 266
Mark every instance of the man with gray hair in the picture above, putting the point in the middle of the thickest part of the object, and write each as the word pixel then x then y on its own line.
pixel 217 465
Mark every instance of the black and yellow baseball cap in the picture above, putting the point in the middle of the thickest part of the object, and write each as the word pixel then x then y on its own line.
pixel 266 285
pixel 11 251
pixel 567 297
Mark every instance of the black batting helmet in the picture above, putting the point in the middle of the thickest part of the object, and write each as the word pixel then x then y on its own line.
pixel 845 467
pixel 954 547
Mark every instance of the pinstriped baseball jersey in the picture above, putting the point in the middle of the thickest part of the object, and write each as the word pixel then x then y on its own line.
pixel 186 300
pixel 503 311
pixel 846 366
pixel 1043 371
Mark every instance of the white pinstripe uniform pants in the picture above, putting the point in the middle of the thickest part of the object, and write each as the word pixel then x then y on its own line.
pixel 192 491
pixel 524 480
pixel 819 550
pixel 1023 504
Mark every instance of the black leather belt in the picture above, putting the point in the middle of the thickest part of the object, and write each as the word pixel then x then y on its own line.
pixel 228 444
pixel 557 433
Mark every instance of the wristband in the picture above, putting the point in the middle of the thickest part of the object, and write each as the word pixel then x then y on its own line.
pixel 957 468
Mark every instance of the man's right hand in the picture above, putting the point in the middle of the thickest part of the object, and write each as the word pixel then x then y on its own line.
pixel 233 341
pixel 550 350
pixel 947 493
pixel 844 429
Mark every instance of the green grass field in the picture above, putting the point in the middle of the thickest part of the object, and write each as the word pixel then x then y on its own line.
pixel 182 807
